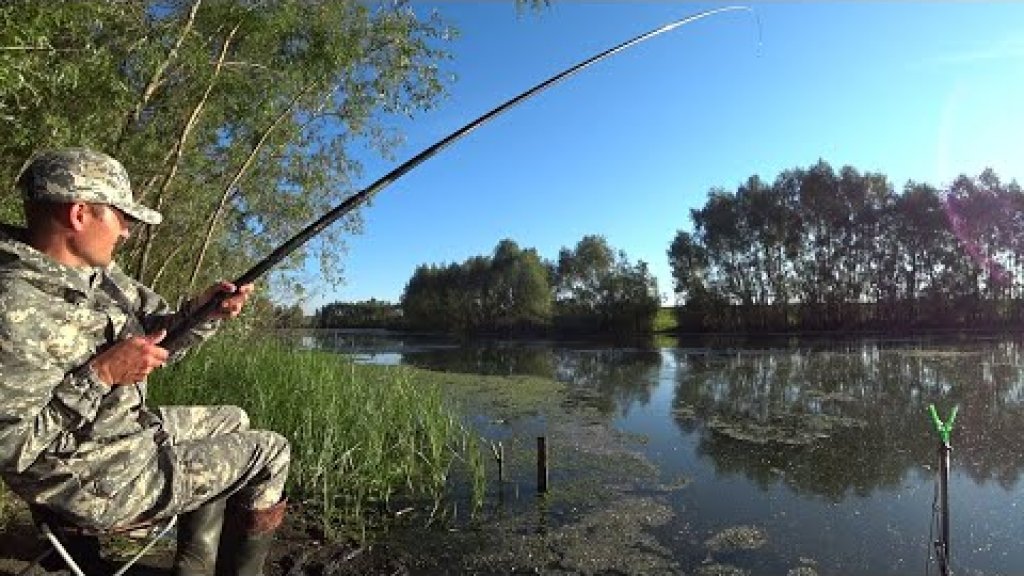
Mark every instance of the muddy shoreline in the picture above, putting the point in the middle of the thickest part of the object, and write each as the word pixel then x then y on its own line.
pixel 297 551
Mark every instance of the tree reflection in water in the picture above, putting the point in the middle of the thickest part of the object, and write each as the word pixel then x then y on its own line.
pixel 853 417
pixel 826 447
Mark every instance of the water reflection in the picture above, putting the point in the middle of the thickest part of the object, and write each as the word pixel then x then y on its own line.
pixel 609 379
pixel 853 417
pixel 857 409
pixel 827 446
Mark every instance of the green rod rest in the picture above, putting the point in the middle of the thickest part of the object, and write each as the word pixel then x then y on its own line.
pixel 943 428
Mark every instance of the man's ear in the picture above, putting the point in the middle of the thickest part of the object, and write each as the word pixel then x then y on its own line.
pixel 77 214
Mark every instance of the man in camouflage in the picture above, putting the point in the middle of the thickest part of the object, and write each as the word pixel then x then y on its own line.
pixel 78 338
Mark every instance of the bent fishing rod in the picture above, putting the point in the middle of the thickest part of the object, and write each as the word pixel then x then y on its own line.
pixel 197 316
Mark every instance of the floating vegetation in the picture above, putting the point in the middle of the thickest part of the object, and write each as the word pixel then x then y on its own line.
pixel 678 484
pixel 923 353
pixel 737 538
pixel 614 539
pixel 502 398
pixel 721 570
pixel 837 397
pixel 785 430
pixel 802 571
pixel 684 413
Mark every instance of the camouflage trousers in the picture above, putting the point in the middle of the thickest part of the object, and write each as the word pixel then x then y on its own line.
pixel 213 454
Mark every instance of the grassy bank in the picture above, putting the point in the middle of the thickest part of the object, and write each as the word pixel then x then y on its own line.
pixel 361 436
pixel 665 320
pixel 366 440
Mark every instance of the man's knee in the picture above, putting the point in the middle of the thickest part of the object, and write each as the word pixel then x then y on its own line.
pixel 276 445
pixel 236 415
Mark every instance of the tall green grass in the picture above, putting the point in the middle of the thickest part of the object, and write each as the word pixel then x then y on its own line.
pixel 362 436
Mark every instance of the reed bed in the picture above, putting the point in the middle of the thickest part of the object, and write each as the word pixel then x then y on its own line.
pixel 363 437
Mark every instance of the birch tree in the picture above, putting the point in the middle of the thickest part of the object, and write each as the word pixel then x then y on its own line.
pixel 240 121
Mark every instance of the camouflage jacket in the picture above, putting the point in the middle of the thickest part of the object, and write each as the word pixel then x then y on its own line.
pixel 67 439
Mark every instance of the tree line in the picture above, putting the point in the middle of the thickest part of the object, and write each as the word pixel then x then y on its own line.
pixel 371 313
pixel 818 249
pixel 589 289
pixel 814 250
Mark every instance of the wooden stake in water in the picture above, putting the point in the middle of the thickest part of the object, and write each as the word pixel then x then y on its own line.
pixel 499 456
pixel 542 465
pixel 501 463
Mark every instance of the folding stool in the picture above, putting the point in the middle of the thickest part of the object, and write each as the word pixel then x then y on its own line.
pixel 49 525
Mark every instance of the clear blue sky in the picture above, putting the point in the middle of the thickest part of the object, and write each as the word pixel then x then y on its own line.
pixel 625 149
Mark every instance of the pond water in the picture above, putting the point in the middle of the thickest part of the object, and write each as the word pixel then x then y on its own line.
pixel 823 450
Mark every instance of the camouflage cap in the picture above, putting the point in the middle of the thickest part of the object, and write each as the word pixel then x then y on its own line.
pixel 82 175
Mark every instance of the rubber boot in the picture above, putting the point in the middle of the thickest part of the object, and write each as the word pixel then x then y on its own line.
pixel 247 538
pixel 198 540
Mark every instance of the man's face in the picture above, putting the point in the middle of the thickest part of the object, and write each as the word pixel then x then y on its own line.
pixel 103 227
